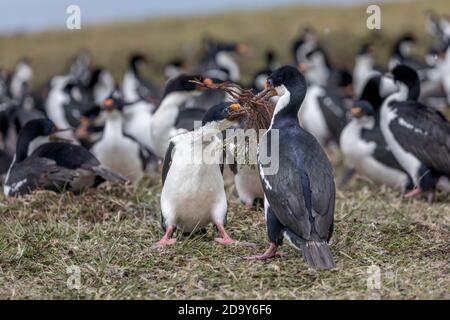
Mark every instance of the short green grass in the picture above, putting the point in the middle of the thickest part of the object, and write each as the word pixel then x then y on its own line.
pixel 108 232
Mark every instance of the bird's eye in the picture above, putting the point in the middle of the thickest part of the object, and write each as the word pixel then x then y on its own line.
pixel 270 82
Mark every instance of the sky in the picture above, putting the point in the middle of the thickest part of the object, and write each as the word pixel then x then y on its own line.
pixel 38 15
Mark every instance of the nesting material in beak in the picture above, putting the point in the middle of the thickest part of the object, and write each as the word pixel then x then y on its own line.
pixel 255 110
pixel 268 91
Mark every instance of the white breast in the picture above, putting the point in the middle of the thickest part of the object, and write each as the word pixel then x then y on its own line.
pixel 311 117
pixel 248 184
pixel 359 155
pixel 408 161
pixel 138 122
pixel 193 194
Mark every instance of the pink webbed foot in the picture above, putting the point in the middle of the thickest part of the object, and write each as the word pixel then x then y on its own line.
pixel 225 239
pixel 414 193
pixel 271 252
pixel 166 240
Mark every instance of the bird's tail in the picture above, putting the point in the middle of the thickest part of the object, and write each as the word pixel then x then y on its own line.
pixel 109 175
pixel 316 253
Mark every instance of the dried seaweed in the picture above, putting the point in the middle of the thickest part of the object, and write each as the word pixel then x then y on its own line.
pixel 256 109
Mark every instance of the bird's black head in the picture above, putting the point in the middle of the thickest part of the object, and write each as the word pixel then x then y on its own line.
pixel 182 83
pixel 32 130
pixel 290 78
pixel 220 112
pixel 137 58
pixel 408 77
pixel 40 127
pixel 362 108
pixel 407 37
pixel 371 92
pixel 270 56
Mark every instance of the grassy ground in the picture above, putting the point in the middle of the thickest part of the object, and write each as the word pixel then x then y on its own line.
pixel 108 233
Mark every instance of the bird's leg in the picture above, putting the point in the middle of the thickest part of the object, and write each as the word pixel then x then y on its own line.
pixel 348 174
pixel 225 239
pixel 166 240
pixel 414 193
pixel 250 206
pixel 271 252
pixel 431 196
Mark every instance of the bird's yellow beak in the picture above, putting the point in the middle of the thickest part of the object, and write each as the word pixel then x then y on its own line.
pixel 269 90
pixel 235 106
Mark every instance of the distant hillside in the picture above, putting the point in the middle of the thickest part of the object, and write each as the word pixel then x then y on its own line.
pixel 341 29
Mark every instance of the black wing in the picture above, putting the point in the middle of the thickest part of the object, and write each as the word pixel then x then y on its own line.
pixel 335 113
pixel 38 173
pixel 382 152
pixel 67 155
pixel 424 132
pixel 167 161
pixel 302 192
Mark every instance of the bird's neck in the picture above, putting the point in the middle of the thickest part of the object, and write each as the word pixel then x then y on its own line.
pixel 135 70
pixel 287 108
pixel 23 143
pixel 113 127
pixel 172 101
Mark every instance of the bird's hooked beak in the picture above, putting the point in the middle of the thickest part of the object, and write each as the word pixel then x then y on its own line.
pixel 207 82
pixel 232 116
pixel 269 91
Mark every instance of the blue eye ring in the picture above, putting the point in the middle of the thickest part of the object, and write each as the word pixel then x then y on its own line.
pixel 270 82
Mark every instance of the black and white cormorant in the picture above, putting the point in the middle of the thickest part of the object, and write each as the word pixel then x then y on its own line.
pixel 418 136
pixel 169 118
pixel 193 193
pixel 297 177
pixel 362 143
pixel 54 166
pixel 118 151
pixel 134 85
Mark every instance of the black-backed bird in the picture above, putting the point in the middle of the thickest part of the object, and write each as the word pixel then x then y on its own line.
pixel 118 151
pixel 169 119
pixel 193 193
pixel 54 166
pixel 418 136
pixel 366 151
pixel 134 86
pixel 362 143
pixel 297 177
